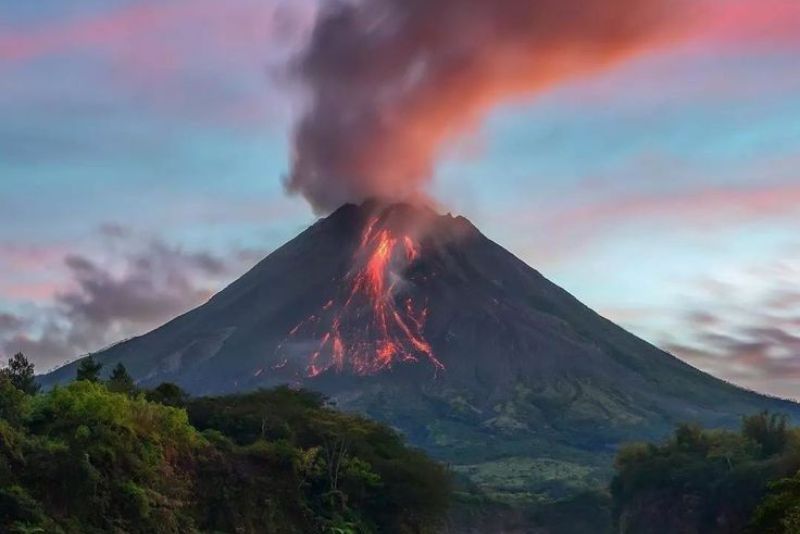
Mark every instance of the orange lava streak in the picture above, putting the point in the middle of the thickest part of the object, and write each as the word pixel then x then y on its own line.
pixel 411 249
pixel 377 265
pixel 391 334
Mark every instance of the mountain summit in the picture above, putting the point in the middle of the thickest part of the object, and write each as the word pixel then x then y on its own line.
pixel 417 319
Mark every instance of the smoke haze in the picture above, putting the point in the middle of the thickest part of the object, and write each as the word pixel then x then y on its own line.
pixel 392 81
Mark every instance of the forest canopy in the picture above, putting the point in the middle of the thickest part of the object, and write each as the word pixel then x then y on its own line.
pixel 712 481
pixel 96 457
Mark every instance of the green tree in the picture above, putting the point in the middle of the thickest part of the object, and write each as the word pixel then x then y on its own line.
pixel 89 370
pixel 351 472
pixel 81 458
pixel 779 512
pixel 770 430
pixel 725 476
pixel 13 404
pixel 120 381
pixel 168 394
pixel 21 374
pixel 112 461
pixel 690 437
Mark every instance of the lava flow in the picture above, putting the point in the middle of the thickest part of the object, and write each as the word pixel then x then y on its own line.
pixel 363 329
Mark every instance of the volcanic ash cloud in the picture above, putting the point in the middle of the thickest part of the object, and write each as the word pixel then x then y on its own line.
pixel 391 81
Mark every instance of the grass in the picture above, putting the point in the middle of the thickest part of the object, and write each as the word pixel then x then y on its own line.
pixel 516 477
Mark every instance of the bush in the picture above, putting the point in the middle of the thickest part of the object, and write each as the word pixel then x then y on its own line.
pixel 706 480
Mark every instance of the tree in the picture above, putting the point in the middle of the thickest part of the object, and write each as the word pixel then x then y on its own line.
pixel 21 374
pixel 120 381
pixel 168 394
pixel 690 437
pixel 89 370
pixel 13 409
pixel 779 512
pixel 769 430
pixel 81 458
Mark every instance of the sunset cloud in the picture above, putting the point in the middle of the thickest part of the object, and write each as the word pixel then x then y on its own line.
pixel 564 230
pixel 751 22
pixel 744 325
pixel 109 299
pixel 203 58
pixel 698 206
pixel 158 34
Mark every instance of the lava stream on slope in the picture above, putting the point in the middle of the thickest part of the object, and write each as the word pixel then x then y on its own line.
pixel 363 329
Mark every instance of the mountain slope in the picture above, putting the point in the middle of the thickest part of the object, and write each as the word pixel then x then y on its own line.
pixel 420 321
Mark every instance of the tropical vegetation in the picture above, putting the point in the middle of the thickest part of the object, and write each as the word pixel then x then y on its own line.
pixel 712 481
pixel 100 456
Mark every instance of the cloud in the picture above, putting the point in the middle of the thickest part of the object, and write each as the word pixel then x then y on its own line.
pixel 161 35
pixel 747 329
pixel 692 206
pixel 570 228
pixel 749 22
pixel 112 299
pixel 10 323
pixel 393 81
pixel 155 285
pixel 15 256
pixel 201 58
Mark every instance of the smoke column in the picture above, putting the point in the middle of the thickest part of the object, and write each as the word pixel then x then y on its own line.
pixel 391 81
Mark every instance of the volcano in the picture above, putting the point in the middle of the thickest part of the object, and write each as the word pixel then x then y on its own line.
pixel 418 320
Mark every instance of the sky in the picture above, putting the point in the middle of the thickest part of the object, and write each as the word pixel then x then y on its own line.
pixel 144 148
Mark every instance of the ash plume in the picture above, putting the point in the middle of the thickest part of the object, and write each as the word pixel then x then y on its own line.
pixel 391 81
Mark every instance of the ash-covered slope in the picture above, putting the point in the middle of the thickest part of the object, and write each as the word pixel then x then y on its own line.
pixel 421 321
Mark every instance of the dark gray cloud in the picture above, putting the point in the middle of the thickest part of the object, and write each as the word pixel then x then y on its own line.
pixel 10 323
pixel 156 284
pixel 107 301
pixel 748 334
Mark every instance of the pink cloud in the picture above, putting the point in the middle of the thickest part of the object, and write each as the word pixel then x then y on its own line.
pixel 31 292
pixel 157 33
pixel 567 230
pixel 201 58
pixel 29 271
pixel 751 22
pixel 17 257
pixel 692 207
pixel 161 34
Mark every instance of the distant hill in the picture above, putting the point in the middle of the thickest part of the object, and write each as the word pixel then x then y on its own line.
pixel 418 320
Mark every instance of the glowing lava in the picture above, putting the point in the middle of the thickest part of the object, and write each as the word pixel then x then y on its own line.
pixel 366 330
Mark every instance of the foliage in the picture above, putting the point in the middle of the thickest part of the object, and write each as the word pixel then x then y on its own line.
pixel 768 430
pixel 779 512
pixel 168 394
pixel 120 381
pixel 89 370
pixel 348 470
pixel 13 402
pixel 84 459
pixel 20 373
pixel 708 480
